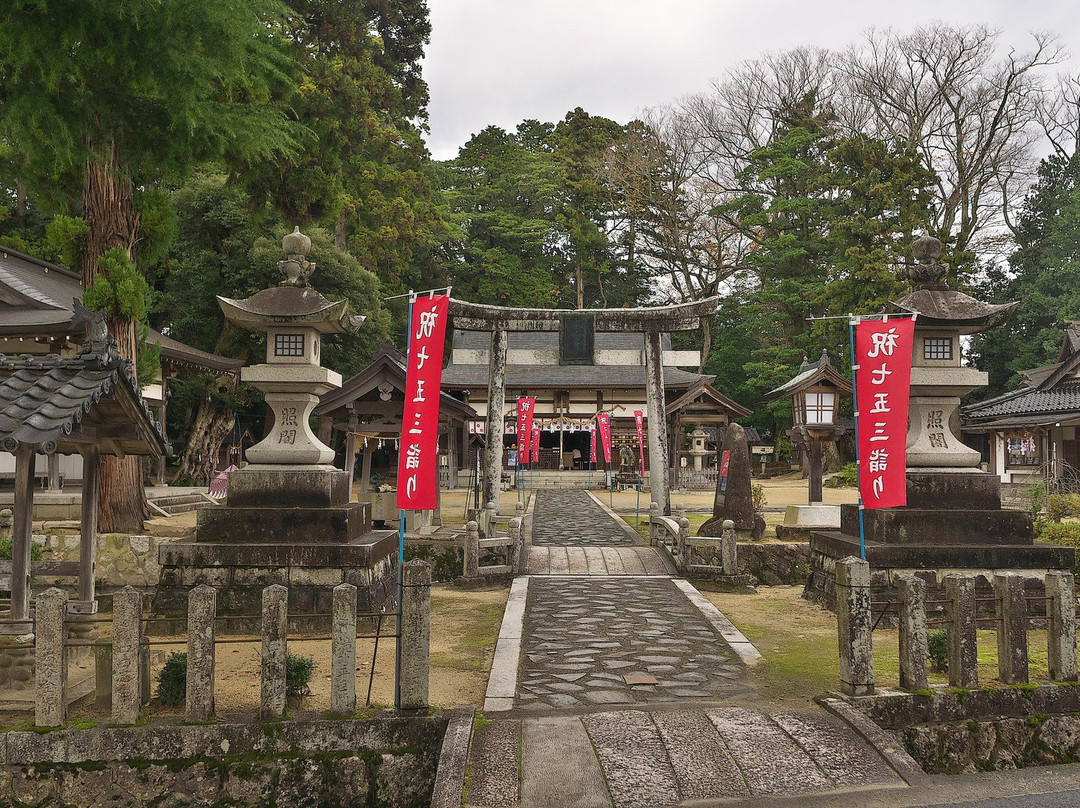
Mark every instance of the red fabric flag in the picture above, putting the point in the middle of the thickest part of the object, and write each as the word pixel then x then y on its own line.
pixel 638 419
pixel 603 420
pixel 536 443
pixel 592 443
pixel 418 458
pixel 883 384
pixel 525 409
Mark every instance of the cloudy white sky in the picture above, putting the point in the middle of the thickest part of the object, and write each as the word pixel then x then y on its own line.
pixel 502 61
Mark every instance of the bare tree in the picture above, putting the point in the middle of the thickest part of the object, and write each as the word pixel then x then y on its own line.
pixel 948 91
pixel 1059 117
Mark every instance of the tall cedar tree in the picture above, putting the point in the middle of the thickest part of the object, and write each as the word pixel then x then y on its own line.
pixel 832 220
pixel 118 96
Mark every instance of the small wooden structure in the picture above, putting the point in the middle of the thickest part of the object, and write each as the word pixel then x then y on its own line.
pixel 369 406
pixel 88 404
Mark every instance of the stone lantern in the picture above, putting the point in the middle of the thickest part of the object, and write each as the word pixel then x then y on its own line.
pixel 815 400
pixel 697 446
pixel 290 469
pixel 953 519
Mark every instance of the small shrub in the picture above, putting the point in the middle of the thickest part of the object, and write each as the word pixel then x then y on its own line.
pixel 757 492
pixel 1058 506
pixel 937 649
pixel 847 477
pixel 298 670
pixel 1035 494
pixel 447 561
pixel 172 680
pixel 1066 534
pixel 6 549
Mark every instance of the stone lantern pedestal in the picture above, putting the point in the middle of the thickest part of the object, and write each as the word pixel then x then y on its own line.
pixel 288 519
pixel 953 520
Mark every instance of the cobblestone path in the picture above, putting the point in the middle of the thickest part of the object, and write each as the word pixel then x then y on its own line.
pixel 566 517
pixel 596 641
pixel 636 759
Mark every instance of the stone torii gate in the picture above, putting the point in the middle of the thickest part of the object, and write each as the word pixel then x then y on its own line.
pixel 652 321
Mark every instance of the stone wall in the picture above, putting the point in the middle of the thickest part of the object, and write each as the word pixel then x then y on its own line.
pixel 959 731
pixel 121 559
pixel 766 564
pixel 375 763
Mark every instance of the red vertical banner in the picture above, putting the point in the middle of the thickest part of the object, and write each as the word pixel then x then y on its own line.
pixel 592 443
pixel 603 422
pixel 418 456
pixel 536 443
pixel 883 384
pixel 525 409
pixel 639 420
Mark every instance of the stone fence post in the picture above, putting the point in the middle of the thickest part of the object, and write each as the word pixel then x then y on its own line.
pixel 854 627
pixel 912 632
pixel 654 528
pixel 50 659
pixel 963 639
pixel 487 526
pixel 275 652
pixel 126 647
pixel 729 548
pixel 472 551
pixel 343 651
pixel 415 639
pixel 1061 628
pixel 202 609
pixel 683 559
pixel 1012 636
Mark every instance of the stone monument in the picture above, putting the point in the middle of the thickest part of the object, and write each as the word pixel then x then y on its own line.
pixel 953 519
pixel 734 499
pixel 288 519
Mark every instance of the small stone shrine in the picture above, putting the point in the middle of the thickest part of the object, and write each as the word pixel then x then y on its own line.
pixel 953 520
pixel 288 519
pixel 734 498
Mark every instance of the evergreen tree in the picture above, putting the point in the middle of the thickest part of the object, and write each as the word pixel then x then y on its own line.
pixel 99 98
pixel 1042 273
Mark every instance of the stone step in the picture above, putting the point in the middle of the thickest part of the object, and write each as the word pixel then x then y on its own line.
pixel 494 765
pixel 177 499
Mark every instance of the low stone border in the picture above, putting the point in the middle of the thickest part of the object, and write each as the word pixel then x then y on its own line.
pixel 502 681
pixel 450 777
pixel 732 636
pixel 617 519
pixel 886 745
pixel 381 763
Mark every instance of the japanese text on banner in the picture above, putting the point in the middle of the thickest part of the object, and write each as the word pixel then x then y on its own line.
pixel 525 409
pixel 638 422
pixel 592 443
pixel 882 384
pixel 603 422
pixel 418 457
pixel 536 443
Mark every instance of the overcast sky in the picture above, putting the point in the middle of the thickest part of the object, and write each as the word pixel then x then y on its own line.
pixel 502 61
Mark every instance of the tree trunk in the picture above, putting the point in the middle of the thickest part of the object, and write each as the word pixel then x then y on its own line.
pixel 580 286
pixel 212 425
pixel 706 342
pixel 109 211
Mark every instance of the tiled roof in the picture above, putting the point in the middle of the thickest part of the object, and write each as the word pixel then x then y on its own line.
pixel 46 401
pixel 594 376
pixel 1064 398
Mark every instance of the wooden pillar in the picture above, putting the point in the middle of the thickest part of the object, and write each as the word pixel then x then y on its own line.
pixel 161 419
pixel 350 451
pixel 365 467
pixel 493 451
pixel 21 534
pixel 54 472
pixel 658 450
pixel 91 458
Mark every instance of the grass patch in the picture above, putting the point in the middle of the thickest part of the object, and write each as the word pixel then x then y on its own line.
pixel 798 641
pixel 470 630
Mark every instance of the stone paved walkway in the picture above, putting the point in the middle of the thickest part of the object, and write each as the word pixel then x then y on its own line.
pixel 616 685
pixel 590 641
pixel 654 759
pixel 568 517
